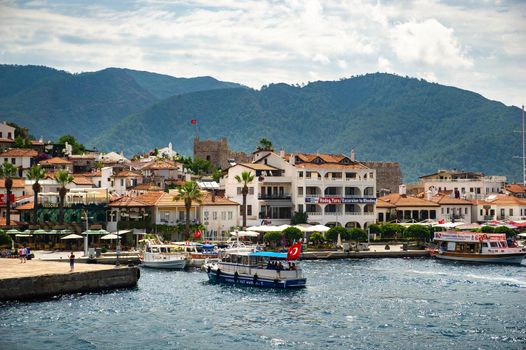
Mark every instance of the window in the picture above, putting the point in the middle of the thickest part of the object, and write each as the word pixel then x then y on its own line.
pixel 223 215
pixel 300 173
pixel 442 210
pixel 214 215
pixel 300 208
pixel 239 189
pixel 481 212
pixel 300 191
pixel 471 189
pixel 465 210
pixel 502 212
pixel 122 182
pixel 206 214
pixel 447 210
pixel 13 160
pixel 249 210
pixel 1 135
pixel 511 212
pixel 99 183
pixel 9 136
pixel 229 215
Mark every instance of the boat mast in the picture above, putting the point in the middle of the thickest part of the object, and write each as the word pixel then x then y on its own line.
pixel 523 151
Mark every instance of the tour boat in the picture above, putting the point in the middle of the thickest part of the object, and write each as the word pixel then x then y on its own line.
pixel 259 269
pixel 163 256
pixel 477 247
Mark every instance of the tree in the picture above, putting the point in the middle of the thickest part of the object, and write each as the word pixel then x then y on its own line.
pixel 201 166
pixel 375 229
pixel 419 232
pixel 77 148
pixel 487 229
pixel 265 145
pixel 357 235
pixel 299 217
pixel 332 234
pixel 390 230
pixel 504 229
pixel 22 142
pixel 189 192
pixel 217 174
pixel 272 237
pixel 245 178
pixel 316 238
pixel 36 173
pixel 292 233
pixel 63 178
pixel 8 171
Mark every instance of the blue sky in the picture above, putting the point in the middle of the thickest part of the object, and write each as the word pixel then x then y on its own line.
pixel 475 45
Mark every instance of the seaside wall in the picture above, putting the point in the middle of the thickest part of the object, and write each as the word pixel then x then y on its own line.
pixel 34 287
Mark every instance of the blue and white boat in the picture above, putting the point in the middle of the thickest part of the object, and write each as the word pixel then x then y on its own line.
pixel 258 269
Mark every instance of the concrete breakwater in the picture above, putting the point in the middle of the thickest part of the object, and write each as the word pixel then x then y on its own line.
pixel 40 279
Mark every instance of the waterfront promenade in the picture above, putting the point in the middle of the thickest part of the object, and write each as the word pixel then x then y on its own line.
pixel 37 279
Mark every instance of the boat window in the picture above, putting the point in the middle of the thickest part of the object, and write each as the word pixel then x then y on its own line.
pixel 504 244
pixel 163 250
pixel 155 250
pixel 494 244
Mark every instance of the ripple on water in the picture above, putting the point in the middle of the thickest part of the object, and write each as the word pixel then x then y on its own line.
pixel 362 304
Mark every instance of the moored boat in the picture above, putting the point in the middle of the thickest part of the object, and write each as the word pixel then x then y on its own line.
pixel 163 256
pixel 259 269
pixel 477 247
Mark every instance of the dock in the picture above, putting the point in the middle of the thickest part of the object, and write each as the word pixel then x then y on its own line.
pixel 38 279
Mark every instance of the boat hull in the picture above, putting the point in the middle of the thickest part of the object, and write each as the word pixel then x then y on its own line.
pixel 514 258
pixel 165 264
pixel 249 280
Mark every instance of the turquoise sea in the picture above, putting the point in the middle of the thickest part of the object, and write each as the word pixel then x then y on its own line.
pixel 348 304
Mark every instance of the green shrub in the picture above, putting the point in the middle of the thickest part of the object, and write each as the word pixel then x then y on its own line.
pixel 332 234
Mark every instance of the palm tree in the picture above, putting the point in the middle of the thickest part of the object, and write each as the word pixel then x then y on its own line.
pixel 245 178
pixel 36 173
pixel 63 178
pixel 8 171
pixel 188 192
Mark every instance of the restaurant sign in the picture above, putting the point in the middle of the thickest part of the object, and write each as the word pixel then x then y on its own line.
pixel 340 200
pixel 3 198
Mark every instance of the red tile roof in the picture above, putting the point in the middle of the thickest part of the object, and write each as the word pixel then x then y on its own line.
pixel 407 201
pixel 127 173
pixel 161 165
pixel 81 180
pixel 54 160
pixel 19 152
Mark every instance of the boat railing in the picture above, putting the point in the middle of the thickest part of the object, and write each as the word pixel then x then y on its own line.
pixel 261 271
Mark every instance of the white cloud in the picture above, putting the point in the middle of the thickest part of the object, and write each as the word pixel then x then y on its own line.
pixel 428 42
pixel 468 44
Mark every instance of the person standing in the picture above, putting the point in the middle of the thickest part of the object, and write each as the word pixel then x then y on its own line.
pixel 71 262
pixel 24 254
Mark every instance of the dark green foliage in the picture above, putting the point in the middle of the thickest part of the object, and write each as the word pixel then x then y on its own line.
pixel 316 238
pixel 22 142
pixel 299 218
pixel 264 145
pixel 5 240
pixel 358 234
pixel 390 230
pixel 272 237
pixel 332 234
pixel 88 103
pixel 422 125
pixel 508 231
pixel 420 233
pixel 487 229
pixel 375 228
pixel 292 233
pixel 77 148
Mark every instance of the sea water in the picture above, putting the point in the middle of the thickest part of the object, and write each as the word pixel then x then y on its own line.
pixel 348 304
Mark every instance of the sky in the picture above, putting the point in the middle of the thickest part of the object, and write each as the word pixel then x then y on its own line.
pixel 478 45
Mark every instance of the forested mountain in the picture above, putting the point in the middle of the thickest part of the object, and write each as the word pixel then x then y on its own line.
pixel 52 103
pixel 422 125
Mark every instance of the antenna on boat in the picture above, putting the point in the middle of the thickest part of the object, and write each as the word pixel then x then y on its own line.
pixel 523 157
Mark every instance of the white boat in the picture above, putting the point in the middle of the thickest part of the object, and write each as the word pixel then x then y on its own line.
pixel 477 247
pixel 163 256
pixel 259 269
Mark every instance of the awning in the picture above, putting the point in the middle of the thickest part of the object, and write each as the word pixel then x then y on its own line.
pixel 72 236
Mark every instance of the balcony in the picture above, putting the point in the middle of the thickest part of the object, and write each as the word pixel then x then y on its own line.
pixel 284 196
pixel 275 179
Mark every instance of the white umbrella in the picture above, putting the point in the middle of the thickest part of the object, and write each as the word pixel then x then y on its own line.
pixel 522 235
pixel 244 234
pixel 72 236
pixel 265 228
pixel 282 227
pixel 110 236
pixel 319 228
pixel 449 224
pixel 303 227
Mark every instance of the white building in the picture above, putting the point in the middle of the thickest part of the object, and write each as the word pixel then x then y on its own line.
pixel 21 158
pixel 330 188
pixel 499 207
pixel 467 185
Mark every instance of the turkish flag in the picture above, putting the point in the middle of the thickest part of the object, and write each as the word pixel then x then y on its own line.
pixel 442 221
pixel 197 234
pixel 294 251
pixel 194 121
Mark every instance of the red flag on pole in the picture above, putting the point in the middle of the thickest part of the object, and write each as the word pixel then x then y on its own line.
pixel 442 221
pixel 194 121
pixel 197 234
pixel 294 251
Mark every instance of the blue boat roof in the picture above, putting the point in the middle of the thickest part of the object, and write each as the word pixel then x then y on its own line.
pixel 269 255
pixel 208 246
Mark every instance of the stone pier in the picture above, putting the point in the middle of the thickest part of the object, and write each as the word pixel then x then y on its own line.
pixel 39 279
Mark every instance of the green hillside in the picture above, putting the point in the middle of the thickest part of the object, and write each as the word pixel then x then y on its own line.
pixel 52 103
pixel 423 126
